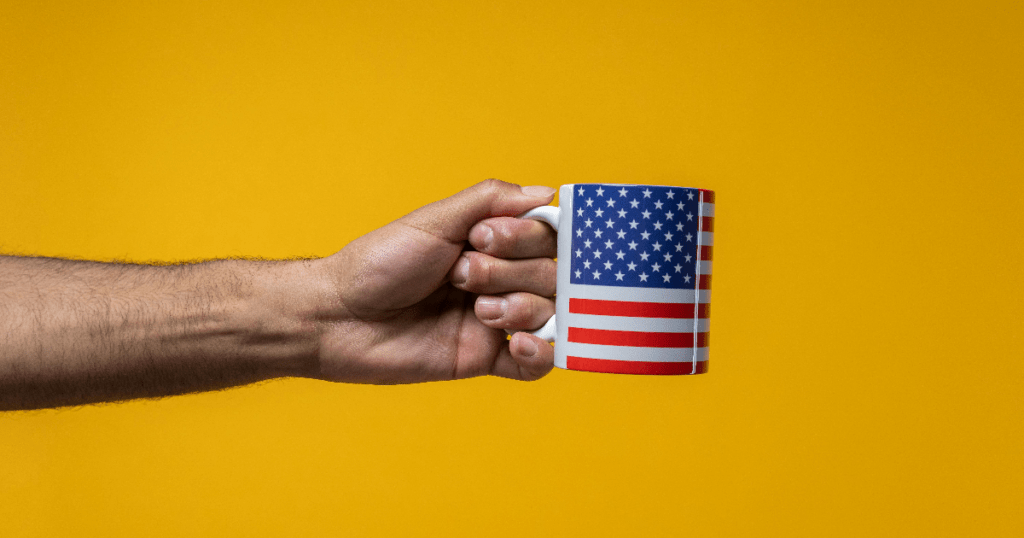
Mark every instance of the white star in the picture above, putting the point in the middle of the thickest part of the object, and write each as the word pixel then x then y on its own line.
pixel 620 255
pixel 657 205
pixel 609 223
pixel 647 193
pixel 586 264
pixel 643 277
pixel 608 244
pixel 579 232
pixel 586 243
pixel 646 214
pixel 679 227
pixel 657 225
pixel 686 279
pixel 679 268
pixel 679 206
pixel 632 245
pixel 597 254
pixel 670 194
pixel 668 236
pixel 622 213
pixel 634 204
pixel 687 258
pixel 689 237
pixel 689 196
pixel 645 235
pixel 597 233
pixel 622 192
pixel 578 273
pixel 580 191
pixel 579 253
pixel 670 215
pixel 619 275
pixel 597 274
pixel 607 265
pixel 644 255
pixel 579 212
pixel 600 191
pixel 621 234
pixel 599 212
pixel 666 277
pixel 611 202
pixel 679 247
pixel 588 222
pixel 656 245
pixel 656 267
pixel 668 257
pixel 633 224
pixel 689 216
pixel 590 202
pixel 632 266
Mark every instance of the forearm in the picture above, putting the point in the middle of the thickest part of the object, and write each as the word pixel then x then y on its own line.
pixel 74 332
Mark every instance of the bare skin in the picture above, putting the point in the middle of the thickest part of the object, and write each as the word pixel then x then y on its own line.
pixel 425 298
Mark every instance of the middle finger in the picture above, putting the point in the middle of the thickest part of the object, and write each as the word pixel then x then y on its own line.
pixel 476 272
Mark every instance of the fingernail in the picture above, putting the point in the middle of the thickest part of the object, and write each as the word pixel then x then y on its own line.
pixel 527 347
pixel 460 274
pixel 491 308
pixel 481 236
pixel 539 191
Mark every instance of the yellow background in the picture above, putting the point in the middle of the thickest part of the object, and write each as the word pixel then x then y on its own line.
pixel 866 374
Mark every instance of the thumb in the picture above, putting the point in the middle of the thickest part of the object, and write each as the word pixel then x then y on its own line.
pixel 450 219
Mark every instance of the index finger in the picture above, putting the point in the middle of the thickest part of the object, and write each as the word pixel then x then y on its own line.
pixel 511 238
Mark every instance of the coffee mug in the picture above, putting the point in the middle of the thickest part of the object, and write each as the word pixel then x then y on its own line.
pixel 634 278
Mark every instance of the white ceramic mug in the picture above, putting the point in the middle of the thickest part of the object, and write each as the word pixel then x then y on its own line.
pixel 634 278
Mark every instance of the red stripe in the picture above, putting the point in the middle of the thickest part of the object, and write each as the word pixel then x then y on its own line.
pixel 705 252
pixel 709 196
pixel 705 282
pixel 636 309
pixel 635 367
pixel 635 338
pixel 707 224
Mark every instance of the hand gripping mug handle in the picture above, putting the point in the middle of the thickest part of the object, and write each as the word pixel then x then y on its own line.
pixel 548 214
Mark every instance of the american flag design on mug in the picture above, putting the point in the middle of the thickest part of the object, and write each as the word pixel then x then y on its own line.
pixel 634 278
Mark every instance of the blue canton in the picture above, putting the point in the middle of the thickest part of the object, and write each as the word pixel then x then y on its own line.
pixel 635 236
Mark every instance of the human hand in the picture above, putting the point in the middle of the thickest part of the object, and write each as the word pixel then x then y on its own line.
pixel 410 303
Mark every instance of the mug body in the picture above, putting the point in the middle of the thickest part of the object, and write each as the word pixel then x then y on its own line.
pixel 634 278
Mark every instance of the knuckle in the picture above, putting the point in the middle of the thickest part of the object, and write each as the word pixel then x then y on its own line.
pixel 492 187
pixel 480 273
pixel 503 235
pixel 522 309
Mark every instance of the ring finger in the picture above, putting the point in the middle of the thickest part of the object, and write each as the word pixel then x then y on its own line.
pixel 514 311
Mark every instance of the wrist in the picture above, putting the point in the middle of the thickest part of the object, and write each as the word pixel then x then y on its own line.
pixel 284 313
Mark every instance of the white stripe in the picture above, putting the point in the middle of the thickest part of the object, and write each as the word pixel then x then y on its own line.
pixel 622 353
pixel 708 209
pixel 705 267
pixel 621 323
pixel 707 239
pixel 642 295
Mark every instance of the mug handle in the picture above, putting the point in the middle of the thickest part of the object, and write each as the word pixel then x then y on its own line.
pixel 550 215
